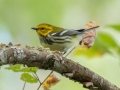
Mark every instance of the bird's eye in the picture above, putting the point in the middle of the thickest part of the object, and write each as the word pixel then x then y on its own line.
pixel 42 28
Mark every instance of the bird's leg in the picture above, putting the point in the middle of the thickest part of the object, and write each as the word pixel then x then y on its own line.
pixel 69 51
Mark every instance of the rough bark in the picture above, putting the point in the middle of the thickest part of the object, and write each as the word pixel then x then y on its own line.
pixel 40 58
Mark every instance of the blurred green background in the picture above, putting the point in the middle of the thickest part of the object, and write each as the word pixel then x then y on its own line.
pixel 18 16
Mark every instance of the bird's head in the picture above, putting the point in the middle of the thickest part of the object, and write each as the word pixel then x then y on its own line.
pixel 43 29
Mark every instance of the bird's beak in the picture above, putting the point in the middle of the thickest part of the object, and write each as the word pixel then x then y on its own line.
pixel 34 28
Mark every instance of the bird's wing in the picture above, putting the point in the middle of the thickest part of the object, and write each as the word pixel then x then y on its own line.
pixel 59 39
pixel 65 33
pixel 72 32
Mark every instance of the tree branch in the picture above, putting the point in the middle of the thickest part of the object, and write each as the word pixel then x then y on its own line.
pixel 41 58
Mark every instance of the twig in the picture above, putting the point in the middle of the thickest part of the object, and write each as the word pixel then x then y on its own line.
pixel 38 80
pixel 69 52
pixel 24 86
pixel 44 79
pixel 47 77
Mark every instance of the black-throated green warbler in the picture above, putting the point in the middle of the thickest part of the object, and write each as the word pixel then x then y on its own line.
pixel 57 38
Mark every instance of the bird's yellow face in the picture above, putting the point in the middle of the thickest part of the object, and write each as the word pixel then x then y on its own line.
pixel 43 29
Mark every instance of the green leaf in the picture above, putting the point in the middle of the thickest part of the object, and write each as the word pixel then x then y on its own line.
pixel 29 69
pixel 107 40
pixel 15 68
pixel 28 78
pixel 118 50
pixel 20 68
pixel 116 27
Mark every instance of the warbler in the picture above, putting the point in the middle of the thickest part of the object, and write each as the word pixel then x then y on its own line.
pixel 57 38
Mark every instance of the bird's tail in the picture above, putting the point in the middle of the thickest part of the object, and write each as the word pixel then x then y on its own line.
pixel 86 30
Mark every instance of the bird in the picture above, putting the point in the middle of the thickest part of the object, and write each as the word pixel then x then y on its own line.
pixel 60 39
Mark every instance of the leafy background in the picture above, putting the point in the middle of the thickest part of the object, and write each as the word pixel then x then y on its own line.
pixel 18 16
